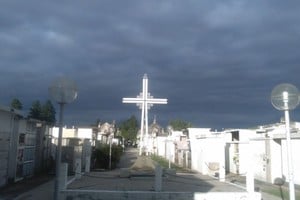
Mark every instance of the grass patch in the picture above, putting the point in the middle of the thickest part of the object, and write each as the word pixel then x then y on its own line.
pixel 276 192
pixel 164 163
pixel 282 192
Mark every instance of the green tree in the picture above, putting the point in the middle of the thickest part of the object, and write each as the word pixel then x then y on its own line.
pixel 16 104
pixel 179 125
pixel 45 112
pixel 129 128
pixel 48 112
pixel 35 111
pixel 101 156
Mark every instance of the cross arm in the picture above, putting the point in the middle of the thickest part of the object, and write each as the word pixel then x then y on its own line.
pixel 157 101
pixel 132 100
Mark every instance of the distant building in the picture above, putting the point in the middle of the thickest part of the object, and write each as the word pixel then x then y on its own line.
pixel 76 144
pixel 154 131
pixel 104 131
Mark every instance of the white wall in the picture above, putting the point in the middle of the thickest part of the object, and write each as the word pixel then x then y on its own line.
pixel 233 168
pixel 258 152
pixel 198 151
pixel 296 159
pixel 295 145
pixel 54 131
pixel 197 132
pixel 268 155
pixel 205 152
pixel 161 146
pixel 276 160
pixel 245 158
pixel 246 134
pixel 84 133
pixel 165 148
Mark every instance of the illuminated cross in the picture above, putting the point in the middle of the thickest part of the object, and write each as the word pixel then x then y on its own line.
pixel 145 102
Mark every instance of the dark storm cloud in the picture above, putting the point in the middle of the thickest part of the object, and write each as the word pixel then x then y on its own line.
pixel 216 61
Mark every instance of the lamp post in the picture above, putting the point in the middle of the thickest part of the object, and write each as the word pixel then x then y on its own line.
pixel 286 97
pixel 110 146
pixel 63 91
pixel 168 144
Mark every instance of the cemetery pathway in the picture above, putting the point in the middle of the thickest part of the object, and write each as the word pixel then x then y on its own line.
pixel 128 158
pixel 45 191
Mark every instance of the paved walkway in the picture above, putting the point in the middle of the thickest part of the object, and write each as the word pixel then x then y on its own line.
pixel 12 191
pixel 128 158
pixel 110 180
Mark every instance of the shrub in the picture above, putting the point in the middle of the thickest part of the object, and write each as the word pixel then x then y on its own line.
pixel 101 156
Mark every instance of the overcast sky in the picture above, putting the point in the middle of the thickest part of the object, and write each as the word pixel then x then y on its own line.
pixel 215 61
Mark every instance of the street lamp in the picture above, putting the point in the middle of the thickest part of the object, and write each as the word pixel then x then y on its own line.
pixel 286 97
pixel 63 91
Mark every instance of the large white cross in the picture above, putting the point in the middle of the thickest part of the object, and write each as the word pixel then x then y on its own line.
pixel 144 101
